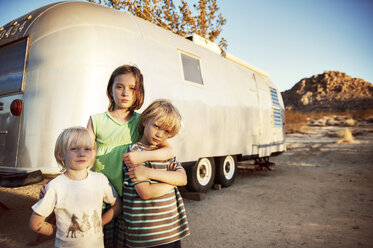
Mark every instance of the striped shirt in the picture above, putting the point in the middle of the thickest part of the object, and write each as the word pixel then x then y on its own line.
pixel 157 221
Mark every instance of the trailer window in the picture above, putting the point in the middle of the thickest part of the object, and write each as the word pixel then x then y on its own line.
pixel 277 115
pixel 191 68
pixel 12 61
pixel 274 97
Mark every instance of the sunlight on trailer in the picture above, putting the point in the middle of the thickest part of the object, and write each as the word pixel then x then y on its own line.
pixel 55 65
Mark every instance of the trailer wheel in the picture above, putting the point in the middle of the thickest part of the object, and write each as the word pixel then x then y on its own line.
pixel 226 168
pixel 201 175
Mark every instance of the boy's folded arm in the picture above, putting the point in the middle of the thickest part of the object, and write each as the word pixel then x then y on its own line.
pixel 176 178
pixel 147 190
pixel 141 173
pixel 136 157
pixel 164 152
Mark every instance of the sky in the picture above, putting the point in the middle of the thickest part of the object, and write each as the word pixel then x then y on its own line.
pixel 288 39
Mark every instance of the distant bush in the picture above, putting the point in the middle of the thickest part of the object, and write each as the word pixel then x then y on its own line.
pixel 298 122
pixel 299 117
pixel 363 114
pixel 294 117
pixel 295 122
pixel 346 136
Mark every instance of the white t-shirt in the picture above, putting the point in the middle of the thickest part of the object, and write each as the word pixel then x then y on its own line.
pixel 77 205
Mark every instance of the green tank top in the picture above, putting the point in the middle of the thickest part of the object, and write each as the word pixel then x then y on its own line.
pixel 112 139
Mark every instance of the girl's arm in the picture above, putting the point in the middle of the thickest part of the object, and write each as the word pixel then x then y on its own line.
pixel 148 190
pixel 142 173
pixel 38 224
pixel 116 208
pixel 90 127
pixel 134 158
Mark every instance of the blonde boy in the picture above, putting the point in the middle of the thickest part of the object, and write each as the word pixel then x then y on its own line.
pixel 75 196
pixel 153 208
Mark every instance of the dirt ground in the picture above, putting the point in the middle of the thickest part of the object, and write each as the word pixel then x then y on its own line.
pixel 319 194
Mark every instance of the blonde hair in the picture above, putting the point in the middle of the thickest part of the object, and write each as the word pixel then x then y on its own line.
pixel 82 138
pixel 165 114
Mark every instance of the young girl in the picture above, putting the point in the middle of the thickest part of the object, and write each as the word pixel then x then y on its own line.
pixel 76 196
pixel 114 131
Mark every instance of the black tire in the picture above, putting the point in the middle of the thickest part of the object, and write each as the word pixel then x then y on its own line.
pixel 201 175
pixel 226 170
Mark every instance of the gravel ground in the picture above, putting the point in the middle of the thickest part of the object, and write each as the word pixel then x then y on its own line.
pixel 319 194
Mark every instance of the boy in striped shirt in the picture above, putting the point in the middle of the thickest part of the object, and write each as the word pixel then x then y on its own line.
pixel 153 208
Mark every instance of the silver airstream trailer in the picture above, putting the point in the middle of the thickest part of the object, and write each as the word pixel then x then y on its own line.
pixel 55 63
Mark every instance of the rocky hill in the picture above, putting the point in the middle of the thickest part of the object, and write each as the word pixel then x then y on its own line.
pixel 331 91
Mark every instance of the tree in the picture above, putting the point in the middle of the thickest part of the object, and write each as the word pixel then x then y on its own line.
pixel 204 20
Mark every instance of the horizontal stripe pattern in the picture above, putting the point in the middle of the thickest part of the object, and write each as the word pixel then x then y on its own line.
pixel 156 221
pixel 114 232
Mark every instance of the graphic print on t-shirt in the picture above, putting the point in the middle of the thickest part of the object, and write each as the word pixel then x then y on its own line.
pixel 74 227
pixel 78 228
pixel 85 223
pixel 96 222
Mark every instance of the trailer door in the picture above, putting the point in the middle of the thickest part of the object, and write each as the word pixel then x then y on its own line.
pixel 12 75
pixel 265 122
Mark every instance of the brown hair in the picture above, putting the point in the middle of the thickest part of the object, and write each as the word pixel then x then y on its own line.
pixel 165 114
pixel 139 88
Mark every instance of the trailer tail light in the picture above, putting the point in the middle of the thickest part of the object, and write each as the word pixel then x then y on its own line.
pixel 16 107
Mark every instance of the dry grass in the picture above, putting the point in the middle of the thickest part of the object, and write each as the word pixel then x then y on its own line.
pixel 346 136
pixel 295 122
pixel 298 122
pixel 363 114
pixel 295 117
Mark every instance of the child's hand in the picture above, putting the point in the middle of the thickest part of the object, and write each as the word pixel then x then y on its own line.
pixel 42 190
pixel 172 166
pixel 132 158
pixel 138 173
